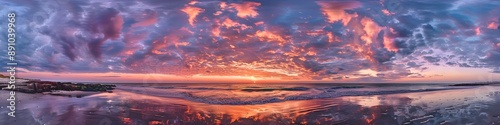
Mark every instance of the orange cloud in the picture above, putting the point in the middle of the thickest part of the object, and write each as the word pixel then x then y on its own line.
pixel 259 23
pixel 218 13
pixel 216 30
pixel 389 41
pixel 371 28
pixel 266 35
pixel 478 31
pixel 493 25
pixel 229 23
pixel 223 5
pixel 192 12
pixel 246 9
pixel 368 31
pixel 386 12
pixel 335 10
pixel 159 46
pixel 331 37
pixel 389 44
pixel 193 2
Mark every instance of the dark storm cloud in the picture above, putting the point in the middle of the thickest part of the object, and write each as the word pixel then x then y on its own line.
pixel 432 59
pixel 314 39
pixel 107 22
pixel 413 64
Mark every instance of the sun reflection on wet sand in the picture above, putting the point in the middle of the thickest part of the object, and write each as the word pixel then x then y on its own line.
pixel 285 110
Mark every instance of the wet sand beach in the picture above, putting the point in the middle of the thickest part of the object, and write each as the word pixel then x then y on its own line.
pixel 467 105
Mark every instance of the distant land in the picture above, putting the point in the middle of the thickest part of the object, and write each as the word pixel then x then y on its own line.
pixel 55 88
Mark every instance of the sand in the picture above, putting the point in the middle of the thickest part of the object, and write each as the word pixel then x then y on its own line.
pixel 475 105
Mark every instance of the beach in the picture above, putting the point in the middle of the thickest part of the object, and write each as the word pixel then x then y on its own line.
pixel 426 105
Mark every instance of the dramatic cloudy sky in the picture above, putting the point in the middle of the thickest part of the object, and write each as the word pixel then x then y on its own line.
pixel 258 40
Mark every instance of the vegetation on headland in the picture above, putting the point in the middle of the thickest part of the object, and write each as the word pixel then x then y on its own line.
pixel 2 76
pixel 476 84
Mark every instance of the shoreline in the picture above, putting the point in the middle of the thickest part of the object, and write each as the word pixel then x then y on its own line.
pixel 236 100
pixel 229 101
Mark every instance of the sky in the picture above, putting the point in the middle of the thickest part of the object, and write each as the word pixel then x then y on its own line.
pixel 257 41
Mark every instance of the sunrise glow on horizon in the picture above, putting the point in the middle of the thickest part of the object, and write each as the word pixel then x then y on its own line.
pixel 258 41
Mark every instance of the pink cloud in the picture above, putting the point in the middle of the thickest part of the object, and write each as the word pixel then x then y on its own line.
pixel 246 9
pixel 335 10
